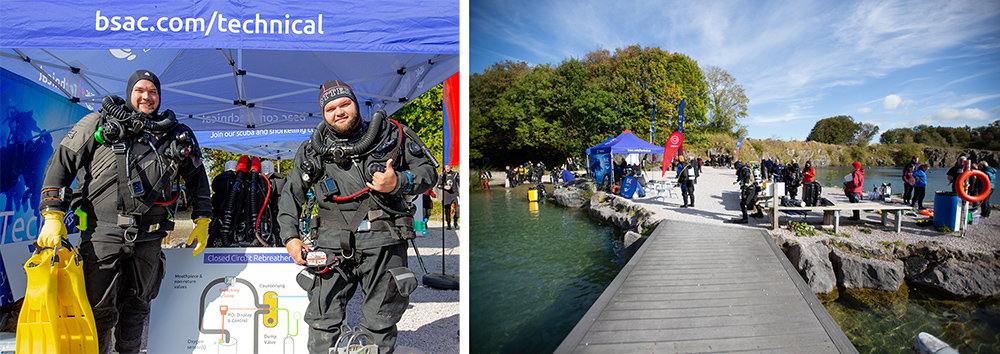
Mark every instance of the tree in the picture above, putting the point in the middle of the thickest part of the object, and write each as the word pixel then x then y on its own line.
pixel 727 101
pixel 864 133
pixel 839 130
pixel 425 115
pixel 897 136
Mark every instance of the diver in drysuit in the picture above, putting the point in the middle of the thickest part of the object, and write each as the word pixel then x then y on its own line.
pixel 748 177
pixel 124 159
pixel 364 175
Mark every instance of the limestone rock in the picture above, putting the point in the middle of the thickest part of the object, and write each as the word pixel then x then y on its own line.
pixel 633 241
pixel 569 197
pixel 855 272
pixel 813 262
pixel 962 279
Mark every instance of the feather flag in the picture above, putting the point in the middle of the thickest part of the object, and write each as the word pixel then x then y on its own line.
pixel 673 144
pixel 737 153
pixel 451 97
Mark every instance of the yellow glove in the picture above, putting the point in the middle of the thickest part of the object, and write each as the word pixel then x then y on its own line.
pixel 199 233
pixel 53 230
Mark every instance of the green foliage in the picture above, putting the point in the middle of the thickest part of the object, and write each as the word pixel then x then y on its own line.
pixel 894 244
pixel 801 229
pixel 842 130
pixel 865 230
pixel 519 112
pixel 985 137
pixel 908 151
pixel 425 115
pixel 728 102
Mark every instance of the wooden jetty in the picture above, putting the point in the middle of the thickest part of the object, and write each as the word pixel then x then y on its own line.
pixel 697 288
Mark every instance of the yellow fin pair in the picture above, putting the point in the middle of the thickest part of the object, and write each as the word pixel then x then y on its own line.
pixel 56 316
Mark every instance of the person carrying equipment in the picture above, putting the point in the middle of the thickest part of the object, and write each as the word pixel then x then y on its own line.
pixel 793 179
pixel 124 158
pixel 449 195
pixel 749 182
pixel 687 176
pixel 364 174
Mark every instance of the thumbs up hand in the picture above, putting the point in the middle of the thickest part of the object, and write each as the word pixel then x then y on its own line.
pixel 384 181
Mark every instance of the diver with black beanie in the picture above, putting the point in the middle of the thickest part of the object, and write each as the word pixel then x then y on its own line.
pixel 364 174
pixel 124 159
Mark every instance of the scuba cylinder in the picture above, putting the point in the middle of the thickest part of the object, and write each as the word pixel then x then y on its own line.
pixel 233 202
pixel 252 198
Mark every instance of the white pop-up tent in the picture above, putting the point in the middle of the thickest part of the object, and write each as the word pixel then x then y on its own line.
pixel 244 75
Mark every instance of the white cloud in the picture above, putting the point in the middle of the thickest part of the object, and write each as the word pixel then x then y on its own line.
pixel 952 115
pixel 891 102
pixel 865 110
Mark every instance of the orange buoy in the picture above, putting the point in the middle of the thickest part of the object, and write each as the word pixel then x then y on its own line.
pixel 927 212
pixel 982 178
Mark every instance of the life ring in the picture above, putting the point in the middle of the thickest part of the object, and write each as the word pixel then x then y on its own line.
pixel 982 178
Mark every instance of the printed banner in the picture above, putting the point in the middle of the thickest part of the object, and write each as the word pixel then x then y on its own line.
pixel 674 143
pixel 229 300
pixel 380 26
pixel 35 120
pixel 600 162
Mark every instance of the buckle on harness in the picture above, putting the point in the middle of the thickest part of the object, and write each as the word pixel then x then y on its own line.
pixel 124 221
pixel 128 223
pixel 118 148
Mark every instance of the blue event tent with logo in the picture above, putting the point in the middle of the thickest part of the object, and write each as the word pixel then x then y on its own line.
pixel 244 75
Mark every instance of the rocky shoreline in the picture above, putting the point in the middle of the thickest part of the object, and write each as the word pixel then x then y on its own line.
pixel 862 256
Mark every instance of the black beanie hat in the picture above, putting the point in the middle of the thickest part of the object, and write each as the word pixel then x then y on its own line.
pixel 141 75
pixel 334 89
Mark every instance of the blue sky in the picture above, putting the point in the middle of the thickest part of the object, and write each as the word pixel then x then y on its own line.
pixel 891 63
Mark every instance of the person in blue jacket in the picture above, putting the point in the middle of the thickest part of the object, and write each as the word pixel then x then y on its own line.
pixel 991 173
pixel 920 186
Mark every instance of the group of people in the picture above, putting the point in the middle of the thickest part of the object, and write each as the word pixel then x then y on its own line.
pixel 125 156
pixel 973 186
pixel 525 173
pixel 724 160
pixel 915 182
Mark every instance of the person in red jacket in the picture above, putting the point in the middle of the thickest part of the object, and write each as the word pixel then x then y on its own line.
pixel 854 187
pixel 808 173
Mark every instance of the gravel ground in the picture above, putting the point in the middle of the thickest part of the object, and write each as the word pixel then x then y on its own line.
pixel 717 201
pixel 431 323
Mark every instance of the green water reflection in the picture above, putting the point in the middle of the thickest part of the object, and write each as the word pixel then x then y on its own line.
pixel 889 324
pixel 534 270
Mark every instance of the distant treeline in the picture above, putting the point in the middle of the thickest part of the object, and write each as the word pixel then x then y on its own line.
pixel 519 112
pixel 983 138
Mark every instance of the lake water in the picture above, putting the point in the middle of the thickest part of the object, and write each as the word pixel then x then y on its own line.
pixel 534 271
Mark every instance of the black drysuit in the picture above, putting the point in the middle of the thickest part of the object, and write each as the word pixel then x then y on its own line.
pixel 379 264
pixel 122 276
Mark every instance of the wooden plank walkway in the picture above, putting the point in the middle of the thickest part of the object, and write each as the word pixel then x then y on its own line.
pixel 696 288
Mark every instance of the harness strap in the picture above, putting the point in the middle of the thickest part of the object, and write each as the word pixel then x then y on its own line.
pixel 349 228
pixel 130 205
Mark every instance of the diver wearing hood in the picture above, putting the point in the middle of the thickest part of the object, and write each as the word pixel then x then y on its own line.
pixel 124 159
pixel 363 175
